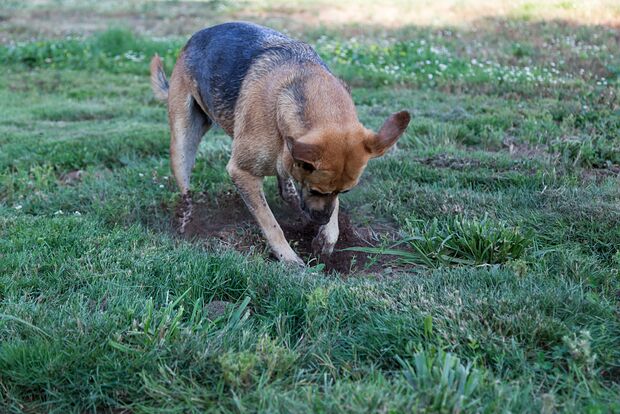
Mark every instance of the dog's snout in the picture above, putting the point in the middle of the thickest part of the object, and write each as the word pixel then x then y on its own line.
pixel 319 217
pixel 319 209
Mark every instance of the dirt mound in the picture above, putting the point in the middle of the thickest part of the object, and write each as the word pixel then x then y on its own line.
pixel 226 220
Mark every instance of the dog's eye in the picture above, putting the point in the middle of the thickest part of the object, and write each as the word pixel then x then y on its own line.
pixel 306 166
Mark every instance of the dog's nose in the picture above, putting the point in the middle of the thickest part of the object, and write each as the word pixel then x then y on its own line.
pixel 322 221
pixel 320 217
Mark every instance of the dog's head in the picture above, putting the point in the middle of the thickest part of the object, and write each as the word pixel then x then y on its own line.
pixel 329 161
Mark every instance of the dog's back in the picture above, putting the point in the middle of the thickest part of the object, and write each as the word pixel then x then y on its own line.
pixel 220 57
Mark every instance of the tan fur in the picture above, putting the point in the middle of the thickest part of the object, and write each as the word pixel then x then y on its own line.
pixel 187 125
pixel 294 121
pixel 158 79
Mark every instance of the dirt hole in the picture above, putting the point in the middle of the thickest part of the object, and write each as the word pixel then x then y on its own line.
pixel 226 220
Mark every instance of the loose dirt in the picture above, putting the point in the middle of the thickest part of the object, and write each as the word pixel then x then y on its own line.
pixel 225 220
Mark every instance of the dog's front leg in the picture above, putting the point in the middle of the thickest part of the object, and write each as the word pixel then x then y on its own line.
pixel 326 238
pixel 251 189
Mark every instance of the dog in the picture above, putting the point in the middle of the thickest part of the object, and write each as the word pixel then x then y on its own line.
pixel 288 116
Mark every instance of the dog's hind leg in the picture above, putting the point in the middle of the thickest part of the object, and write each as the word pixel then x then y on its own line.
pixel 288 192
pixel 188 124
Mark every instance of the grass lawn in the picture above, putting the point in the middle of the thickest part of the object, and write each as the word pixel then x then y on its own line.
pixel 486 277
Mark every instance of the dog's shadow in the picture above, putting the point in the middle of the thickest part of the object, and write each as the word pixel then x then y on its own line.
pixel 225 220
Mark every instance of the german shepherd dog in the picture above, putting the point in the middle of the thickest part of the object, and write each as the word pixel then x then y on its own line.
pixel 288 116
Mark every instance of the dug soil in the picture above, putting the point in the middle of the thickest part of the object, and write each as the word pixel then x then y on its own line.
pixel 225 220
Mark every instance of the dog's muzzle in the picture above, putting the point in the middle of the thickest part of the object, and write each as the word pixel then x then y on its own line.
pixel 321 216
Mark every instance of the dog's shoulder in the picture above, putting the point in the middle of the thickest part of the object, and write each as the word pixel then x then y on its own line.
pixel 221 57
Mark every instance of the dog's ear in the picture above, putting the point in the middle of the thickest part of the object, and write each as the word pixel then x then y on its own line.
pixel 306 154
pixel 389 133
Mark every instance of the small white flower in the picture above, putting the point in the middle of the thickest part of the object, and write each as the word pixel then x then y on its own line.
pixel 77 213
pixel 58 213
pixel 161 186
pixel 141 175
pixel 165 177
pixel 18 207
pixel 430 76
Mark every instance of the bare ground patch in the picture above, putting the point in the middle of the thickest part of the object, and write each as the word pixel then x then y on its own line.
pixel 225 221
pixel 440 161
pixel 48 18
pixel 600 174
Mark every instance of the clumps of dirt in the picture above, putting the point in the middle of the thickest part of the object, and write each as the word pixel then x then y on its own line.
pixel 525 150
pixel 600 174
pixel 448 161
pixel 467 164
pixel 71 177
pixel 300 235
pixel 225 220
pixel 217 308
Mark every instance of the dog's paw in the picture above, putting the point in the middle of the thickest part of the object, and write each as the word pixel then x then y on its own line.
pixel 289 256
pixel 296 261
pixel 184 213
pixel 299 262
pixel 323 243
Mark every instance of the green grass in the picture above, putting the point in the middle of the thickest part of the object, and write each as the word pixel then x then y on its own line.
pixel 457 242
pixel 504 191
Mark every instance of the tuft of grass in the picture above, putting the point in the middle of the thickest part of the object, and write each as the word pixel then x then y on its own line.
pixel 444 382
pixel 587 151
pixel 457 242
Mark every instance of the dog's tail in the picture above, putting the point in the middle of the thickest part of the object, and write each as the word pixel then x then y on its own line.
pixel 159 83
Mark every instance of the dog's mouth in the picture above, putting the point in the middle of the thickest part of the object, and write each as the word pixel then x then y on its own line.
pixel 321 217
pixel 318 220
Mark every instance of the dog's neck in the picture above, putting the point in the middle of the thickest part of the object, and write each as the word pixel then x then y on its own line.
pixel 314 98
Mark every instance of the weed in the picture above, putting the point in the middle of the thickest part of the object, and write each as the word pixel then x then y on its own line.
pixel 441 379
pixel 587 152
pixel 458 242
